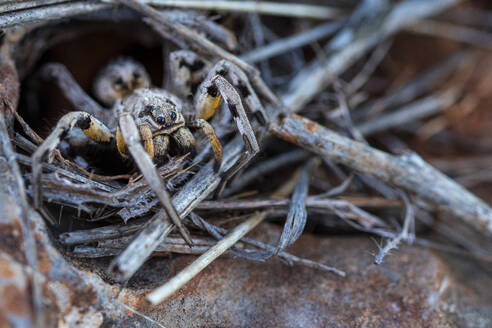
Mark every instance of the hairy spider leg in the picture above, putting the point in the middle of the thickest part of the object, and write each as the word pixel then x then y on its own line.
pixel 187 70
pixel 148 141
pixel 146 135
pixel 233 102
pixel 206 129
pixel 185 140
pixel 240 81
pixel 92 128
pixel 120 144
pixel 161 143
pixel 206 103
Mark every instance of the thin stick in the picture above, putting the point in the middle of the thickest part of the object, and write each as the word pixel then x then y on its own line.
pixel 404 235
pixel 30 11
pixel 336 206
pixel 98 234
pixel 344 204
pixel 414 111
pixel 363 76
pixel 311 202
pixel 263 8
pixel 415 88
pixel 470 16
pixel 27 129
pixel 408 171
pixel 292 42
pixel 297 215
pixel 175 283
pixel 337 190
pixel 265 167
pixel 289 258
pixel 18 5
pixel 173 240
pixel 146 317
pixel 454 32
pixel 24 144
pixel 58 11
pixel 25 160
pixel 316 77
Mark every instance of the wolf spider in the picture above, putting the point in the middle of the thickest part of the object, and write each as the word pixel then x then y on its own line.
pixel 142 120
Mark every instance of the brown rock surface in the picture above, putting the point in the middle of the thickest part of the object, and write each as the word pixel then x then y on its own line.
pixel 413 288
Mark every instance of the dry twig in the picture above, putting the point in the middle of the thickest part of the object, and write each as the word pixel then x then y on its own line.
pixel 297 216
pixel 292 42
pixel 414 111
pixel 404 235
pixel 311 80
pixel 185 275
pixel 409 171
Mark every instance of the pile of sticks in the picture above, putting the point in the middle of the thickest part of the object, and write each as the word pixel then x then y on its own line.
pixel 356 38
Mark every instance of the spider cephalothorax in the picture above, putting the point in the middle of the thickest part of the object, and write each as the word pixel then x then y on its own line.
pixel 144 120
pixel 158 117
pixel 158 110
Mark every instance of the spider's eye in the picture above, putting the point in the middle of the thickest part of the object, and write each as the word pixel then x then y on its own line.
pixel 136 76
pixel 173 116
pixel 118 82
pixel 161 120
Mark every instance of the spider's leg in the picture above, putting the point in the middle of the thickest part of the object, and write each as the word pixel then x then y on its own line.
pixel 161 143
pixel 241 82
pixel 120 144
pixel 131 137
pixel 146 135
pixel 91 127
pixel 207 129
pixel 60 75
pixel 207 102
pixel 154 146
pixel 185 140
pixel 233 102
pixel 208 96
pixel 187 70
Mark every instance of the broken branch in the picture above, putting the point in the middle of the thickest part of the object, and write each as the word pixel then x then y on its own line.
pixel 408 171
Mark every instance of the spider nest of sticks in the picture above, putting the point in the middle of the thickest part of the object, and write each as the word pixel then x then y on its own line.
pixel 100 185
pixel 143 132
